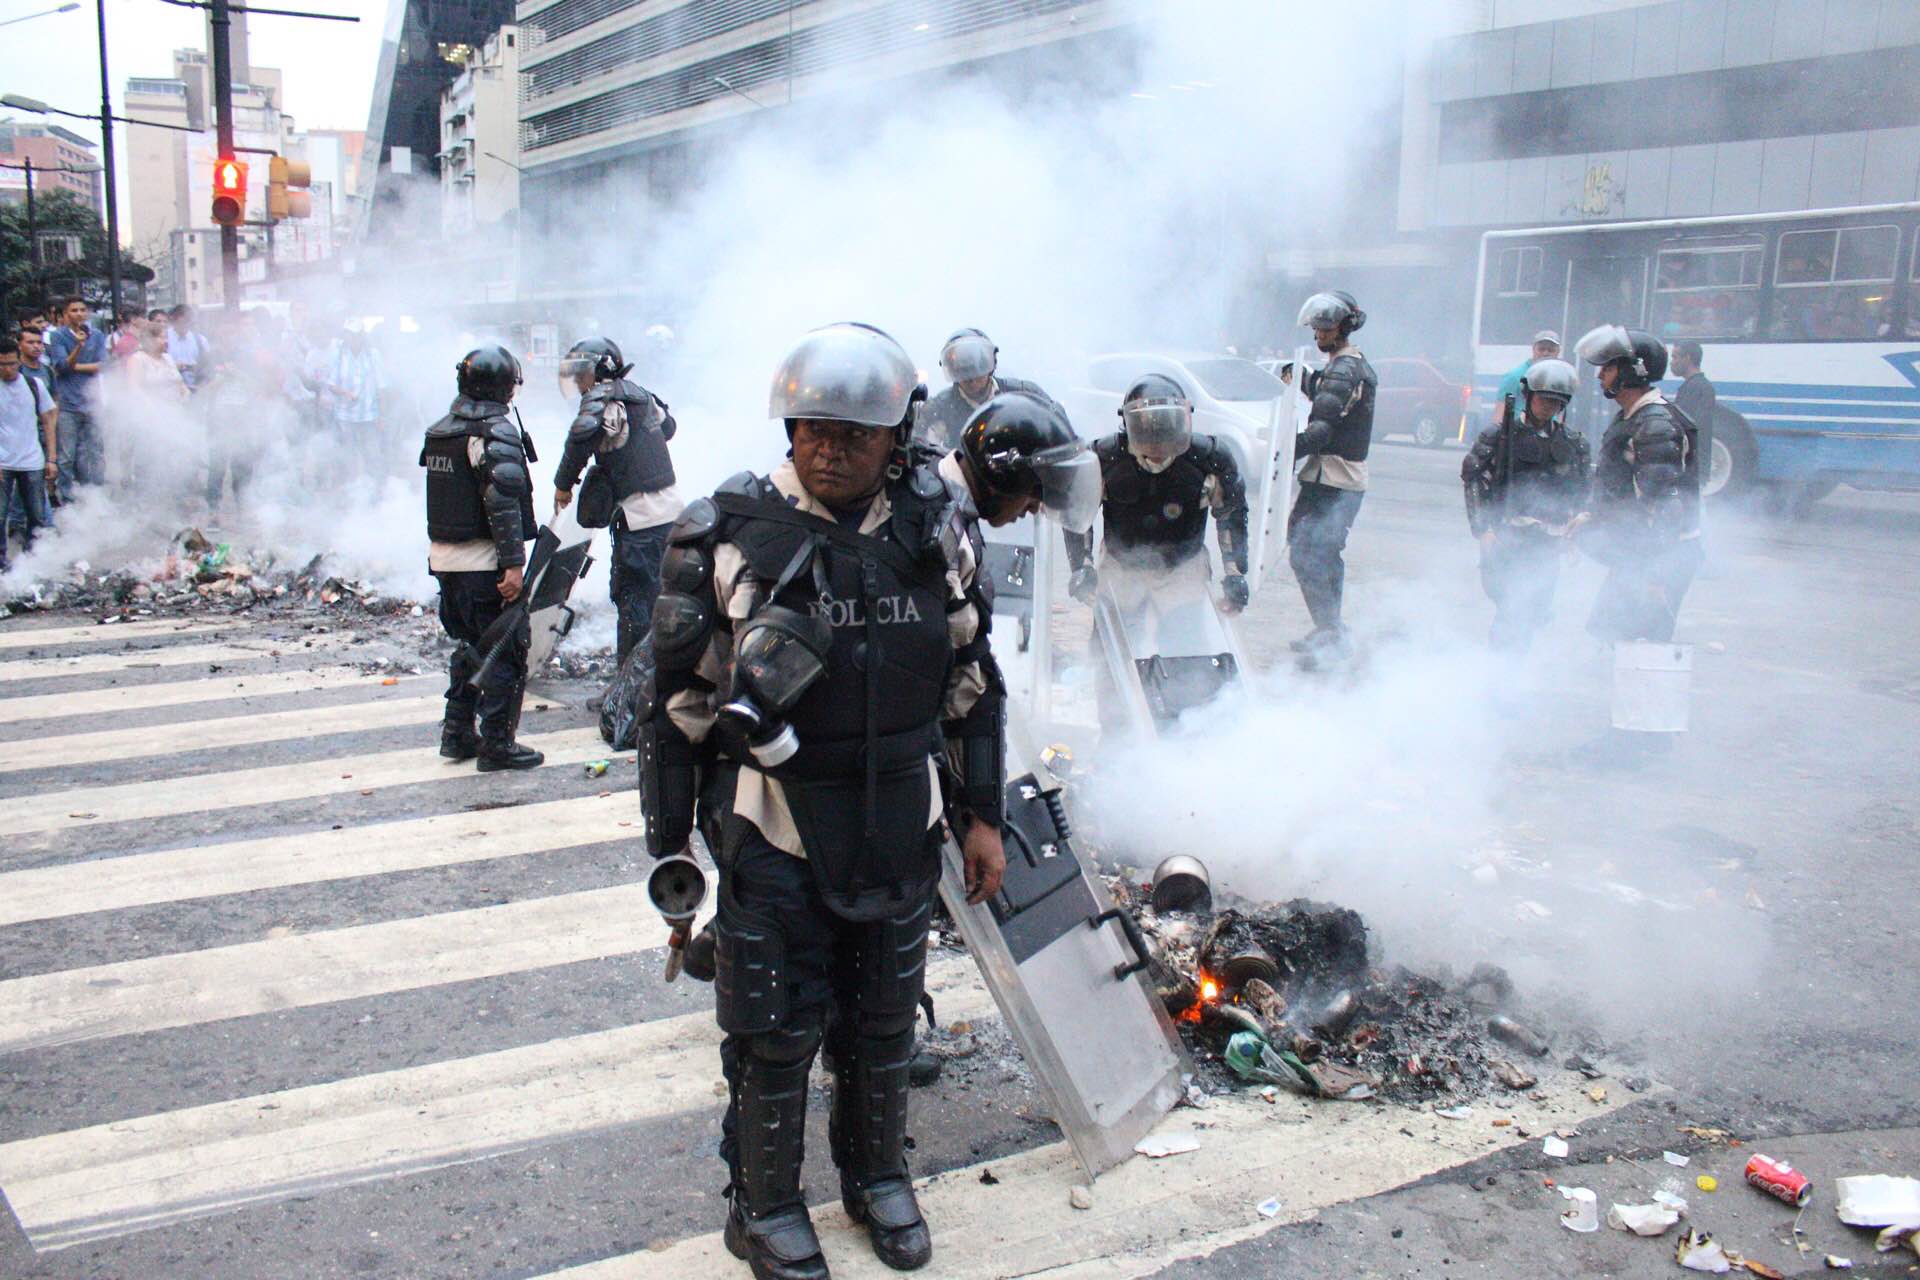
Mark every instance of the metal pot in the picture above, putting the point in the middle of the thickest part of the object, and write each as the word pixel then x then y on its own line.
pixel 1181 883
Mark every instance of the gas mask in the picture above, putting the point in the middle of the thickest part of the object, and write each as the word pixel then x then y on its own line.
pixel 781 653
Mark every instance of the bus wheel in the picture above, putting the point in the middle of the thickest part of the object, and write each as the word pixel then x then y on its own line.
pixel 1732 458
pixel 1426 431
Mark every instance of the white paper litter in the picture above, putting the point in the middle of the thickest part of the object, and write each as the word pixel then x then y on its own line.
pixel 1698 1251
pixel 1676 1203
pixel 1642 1219
pixel 1675 1159
pixel 1583 1215
pixel 1268 1208
pixel 1898 1234
pixel 1876 1200
pixel 1554 1147
pixel 1837 1263
pixel 1157 1146
pixel 1454 1113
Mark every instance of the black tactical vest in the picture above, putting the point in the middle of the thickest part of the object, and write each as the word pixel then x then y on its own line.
pixel 455 509
pixel 1544 473
pixel 642 464
pixel 1154 520
pixel 858 786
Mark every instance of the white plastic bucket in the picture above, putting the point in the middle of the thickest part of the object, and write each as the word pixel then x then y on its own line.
pixel 1652 686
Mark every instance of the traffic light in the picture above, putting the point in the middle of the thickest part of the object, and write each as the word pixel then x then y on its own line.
pixel 229 191
pixel 282 174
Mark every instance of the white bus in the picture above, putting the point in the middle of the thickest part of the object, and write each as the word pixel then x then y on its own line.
pixel 1810 324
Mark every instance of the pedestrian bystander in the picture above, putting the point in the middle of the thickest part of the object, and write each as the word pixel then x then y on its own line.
pixel 27 443
pixel 76 351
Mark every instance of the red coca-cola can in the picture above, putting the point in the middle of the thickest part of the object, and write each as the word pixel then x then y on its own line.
pixel 1780 1180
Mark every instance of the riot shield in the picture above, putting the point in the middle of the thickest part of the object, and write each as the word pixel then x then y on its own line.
pixel 550 582
pixel 1165 645
pixel 1064 966
pixel 1272 495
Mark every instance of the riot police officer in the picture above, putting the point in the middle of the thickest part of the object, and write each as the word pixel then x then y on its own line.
pixel 1158 482
pixel 622 429
pixel 1645 520
pixel 1525 482
pixel 1333 477
pixel 822 649
pixel 479 516
pixel 971 363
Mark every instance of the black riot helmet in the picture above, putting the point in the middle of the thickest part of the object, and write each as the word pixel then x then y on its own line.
pixel 600 356
pixel 488 373
pixel 1641 357
pixel 1334 309
pixel 1158 418
pixel 1020 446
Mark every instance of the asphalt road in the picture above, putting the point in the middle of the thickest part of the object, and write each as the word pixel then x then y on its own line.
pixel 282 994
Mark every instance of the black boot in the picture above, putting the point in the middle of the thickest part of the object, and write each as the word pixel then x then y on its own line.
pixel 868 1130
pixel 496 755
pixel 458 741
pixel 767 1223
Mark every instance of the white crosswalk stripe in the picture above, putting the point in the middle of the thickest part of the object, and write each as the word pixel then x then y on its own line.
pixel 15 636
pixel 107 1182
pixel 158 656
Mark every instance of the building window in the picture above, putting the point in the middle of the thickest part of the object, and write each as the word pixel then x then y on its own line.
pixel 1834 283
pixel 1517 272
pixel 1708 288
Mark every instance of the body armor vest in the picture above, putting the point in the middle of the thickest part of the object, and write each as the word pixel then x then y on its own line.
pixel 1155 520
pixel 641 464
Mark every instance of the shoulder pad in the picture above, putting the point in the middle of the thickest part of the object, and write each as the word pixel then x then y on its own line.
pixel 448 426
pixel 926 484
pixel 1110 446
pixel 698 521
pixel 742 484
pixel 501 431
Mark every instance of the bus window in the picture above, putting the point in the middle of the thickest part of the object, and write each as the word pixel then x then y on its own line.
pixel 1834 283
pixel 1707 289
pixel 1513 308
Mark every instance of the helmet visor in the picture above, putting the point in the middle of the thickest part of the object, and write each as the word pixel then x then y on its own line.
pixel 1605 344
pixel 1162 427
pixel 1323 311
pixel 1069 479
pixel 967 357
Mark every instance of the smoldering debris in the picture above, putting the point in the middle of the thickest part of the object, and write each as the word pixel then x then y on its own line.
pixel 1300 975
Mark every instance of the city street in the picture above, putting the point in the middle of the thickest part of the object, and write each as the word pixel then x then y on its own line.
pixel 284 994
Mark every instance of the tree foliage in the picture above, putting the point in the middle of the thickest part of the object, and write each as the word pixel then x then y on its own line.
pixel 57 211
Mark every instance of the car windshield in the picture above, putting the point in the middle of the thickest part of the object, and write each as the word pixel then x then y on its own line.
pixel 1232 379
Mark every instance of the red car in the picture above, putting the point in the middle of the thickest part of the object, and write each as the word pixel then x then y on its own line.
pixel 1416 399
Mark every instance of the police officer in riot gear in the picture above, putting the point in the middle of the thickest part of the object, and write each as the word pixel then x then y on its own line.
pixel 1333 475
pixel 622 429
pixel 971 363
pixel 825 707
pixel 1019 456
pixel 1645 520
pixel 479 516
pixel 1525 482
pixel 1158 482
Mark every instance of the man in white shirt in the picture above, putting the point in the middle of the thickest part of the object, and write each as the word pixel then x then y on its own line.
pixel 26 443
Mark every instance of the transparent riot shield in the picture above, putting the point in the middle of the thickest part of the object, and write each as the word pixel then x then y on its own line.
pixel 1272 495
pixel 1165 644
pixel 567 554
pixel 1064 966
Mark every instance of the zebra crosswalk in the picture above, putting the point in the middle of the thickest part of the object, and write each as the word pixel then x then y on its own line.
pixel 282 992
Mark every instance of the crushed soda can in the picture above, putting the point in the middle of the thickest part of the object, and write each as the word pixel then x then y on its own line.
pixel 597 768
pixel 1779 1179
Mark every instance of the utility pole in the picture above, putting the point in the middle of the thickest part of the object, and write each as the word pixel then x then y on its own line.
pixel 106 155
pixel 33 238
pixel 223 133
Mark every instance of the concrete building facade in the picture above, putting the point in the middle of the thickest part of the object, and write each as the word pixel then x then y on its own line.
pixel 479 156
pixel 51 149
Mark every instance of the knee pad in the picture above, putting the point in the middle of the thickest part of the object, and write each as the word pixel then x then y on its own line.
pixel 790 1044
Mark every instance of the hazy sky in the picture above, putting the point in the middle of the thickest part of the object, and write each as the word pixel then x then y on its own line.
pixel 328 65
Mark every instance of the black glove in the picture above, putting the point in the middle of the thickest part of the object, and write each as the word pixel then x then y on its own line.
pixel 1238 594
pixel 1084 585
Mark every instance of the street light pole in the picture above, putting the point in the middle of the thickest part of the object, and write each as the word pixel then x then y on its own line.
pixel 106 155
pixel 33 238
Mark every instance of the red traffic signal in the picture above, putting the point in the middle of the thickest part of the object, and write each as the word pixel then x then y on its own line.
pixel 229 191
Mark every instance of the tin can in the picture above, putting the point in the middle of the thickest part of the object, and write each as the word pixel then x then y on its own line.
pixel 1780 1180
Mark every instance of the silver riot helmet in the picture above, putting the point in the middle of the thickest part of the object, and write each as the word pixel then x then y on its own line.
pixel 1642 358
pixel 969 355
pixel 847 372
pixel 1552 378
pixel 1332 310
pixel 1158 420
pixel 598 357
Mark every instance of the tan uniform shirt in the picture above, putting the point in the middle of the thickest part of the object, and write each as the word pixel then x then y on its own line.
pixel 756 797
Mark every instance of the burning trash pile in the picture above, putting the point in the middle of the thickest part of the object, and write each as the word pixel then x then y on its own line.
pixel 1284 995
pixel 200 574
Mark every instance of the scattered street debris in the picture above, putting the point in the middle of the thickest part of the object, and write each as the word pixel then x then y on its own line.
pixel 1877 1200
pixel 1158 1146
pixel 1837 1263
pixel 1778 1179
pixel 1675 1159
pixel 1707 1183
pixel 1698 1251
pixel 1081 1196
pixel 1642 1219
pixel 1268 1208
pixel 1554 1146
pixel 1583 1214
